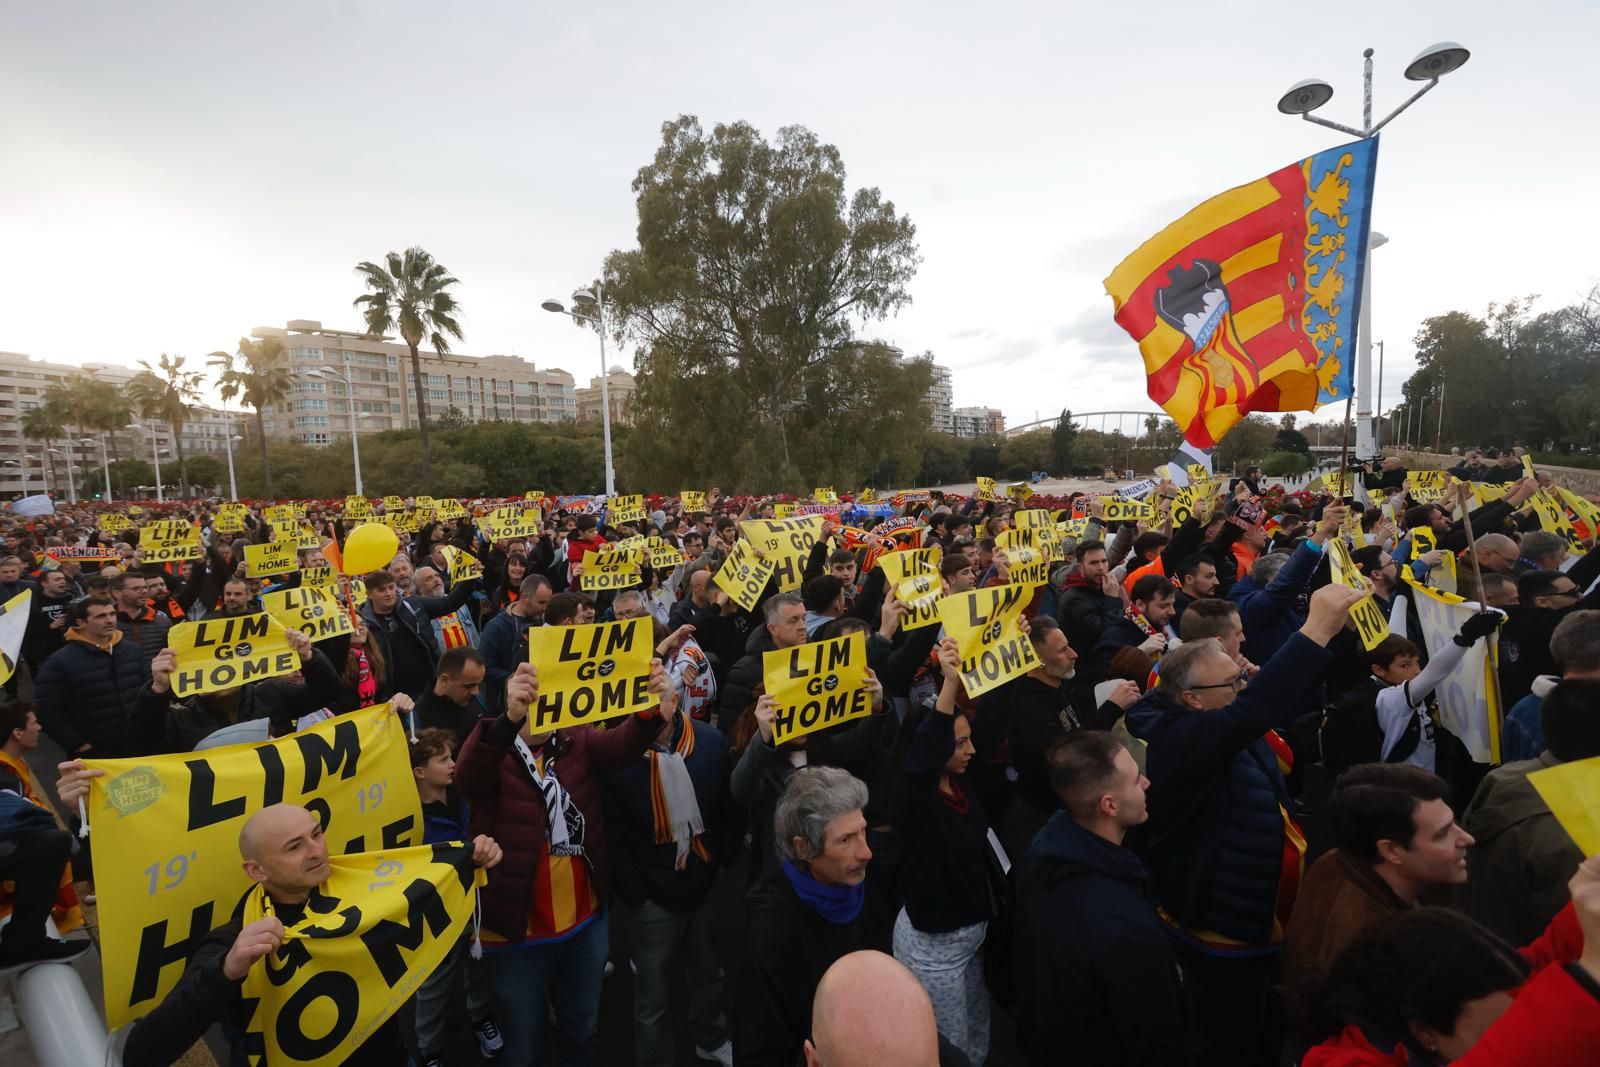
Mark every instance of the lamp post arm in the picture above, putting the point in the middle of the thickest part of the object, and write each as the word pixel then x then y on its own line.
pixel 1341 127
pixel 1412 99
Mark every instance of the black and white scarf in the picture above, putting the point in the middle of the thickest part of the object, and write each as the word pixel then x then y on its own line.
pixel 562 817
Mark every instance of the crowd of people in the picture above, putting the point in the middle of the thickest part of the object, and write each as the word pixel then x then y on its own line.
pixel 1210 826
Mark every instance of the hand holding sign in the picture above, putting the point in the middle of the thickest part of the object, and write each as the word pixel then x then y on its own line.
pixel 256 940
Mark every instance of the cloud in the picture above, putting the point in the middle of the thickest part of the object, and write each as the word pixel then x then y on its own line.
pixel 973 333
pixel 1004 353
pixel 1094 336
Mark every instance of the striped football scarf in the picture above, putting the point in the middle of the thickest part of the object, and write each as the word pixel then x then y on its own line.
pixel 674 808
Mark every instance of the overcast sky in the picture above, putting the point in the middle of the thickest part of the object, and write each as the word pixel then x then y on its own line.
pixel 174 174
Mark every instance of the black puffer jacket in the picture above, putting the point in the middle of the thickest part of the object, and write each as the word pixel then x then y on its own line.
pixel 86 693
pixel 158 723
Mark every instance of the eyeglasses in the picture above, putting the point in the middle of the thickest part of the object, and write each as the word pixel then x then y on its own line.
pixel 1235 684
pixel 1565 594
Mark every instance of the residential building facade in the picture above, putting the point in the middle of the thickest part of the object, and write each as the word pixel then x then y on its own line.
pixel 977 422
pixel 620 385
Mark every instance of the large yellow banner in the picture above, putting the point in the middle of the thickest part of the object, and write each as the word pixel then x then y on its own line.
pixel 588 674
pixel 1572 791
pixel 312 610
pixel 787 543
pixel 229 650
pixel 169 869
pixel 372 933
pixel 817 685
pixel 994 650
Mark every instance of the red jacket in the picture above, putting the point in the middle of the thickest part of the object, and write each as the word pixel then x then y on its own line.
pixel 1555 1019
pixel 508 806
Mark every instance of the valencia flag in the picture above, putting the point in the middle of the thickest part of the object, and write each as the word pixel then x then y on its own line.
pixel 1250 301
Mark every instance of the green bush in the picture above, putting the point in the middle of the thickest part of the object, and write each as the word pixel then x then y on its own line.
pixel 1280 464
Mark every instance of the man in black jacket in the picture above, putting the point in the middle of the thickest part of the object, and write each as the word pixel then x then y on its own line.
pixel 404 626
pixel 86 690
pixel 453 703
pixel 47 621
pixel 141 624
pixel 1091 598
pixel 1093 965
pixel 283 849
pixel 1144 627
pixel 785 628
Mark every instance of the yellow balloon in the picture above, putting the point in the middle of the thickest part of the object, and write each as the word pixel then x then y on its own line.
pixel 370 547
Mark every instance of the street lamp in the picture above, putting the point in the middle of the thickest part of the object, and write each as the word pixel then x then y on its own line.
pixel 105 467
pixel 156 452
pixel 1305 97
pixel 328 374
pixel 233 486
pixel 583 298
pixel 72 482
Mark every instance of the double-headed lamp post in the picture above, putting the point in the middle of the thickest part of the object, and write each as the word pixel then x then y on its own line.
pixel 328 374
pixel 228 439
pixel 583 298
pixel 1305 97
pixel 105 467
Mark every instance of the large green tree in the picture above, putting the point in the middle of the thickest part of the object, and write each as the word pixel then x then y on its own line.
pixel 411 293
pixel 110 411
pixel 257 373
pixel 754 268
pixel 44 424
pixel 167 391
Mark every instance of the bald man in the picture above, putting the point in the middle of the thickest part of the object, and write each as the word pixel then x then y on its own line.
pixel 1497 553
pixel 870 1011
pixel 282 848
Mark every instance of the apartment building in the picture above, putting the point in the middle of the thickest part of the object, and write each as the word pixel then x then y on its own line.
pixel 340 374
pixel 620 384
pixel 977 422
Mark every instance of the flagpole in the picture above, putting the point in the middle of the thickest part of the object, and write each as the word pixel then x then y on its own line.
pixel 1483 597
pixel 1344 448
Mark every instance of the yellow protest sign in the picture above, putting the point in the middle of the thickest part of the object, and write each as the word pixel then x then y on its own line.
pixel 1019 491
pixel 314 612
pixel 382 922
pixel 300 532
pixel 1527 466
pixel 1427 486
pixel 784 511
pixel 993 648
pixel 283 513
pixel 663 555
pixel 534 495
pixel 1368 617
pixel 173 872
pixel 358 591
pixel 1197 472
pixel 111 522
pixel 449 510
pixel 464 566
pixel 588 674
pixel 1120 510
pixel 986 489
pixel 394 503
pixel 692 499
pixel 184 546
pixel 358 509
pixel 263 561
pixel 135 509
pixel 868 495
pixel 628 508
pixel 400 521
pixel 228 522
pixel 511 523
pixel 319 577
pixel 166 530
pixel 610 570
pixel 1572 792
pixel 1031 519
pixel 817 685
pixel 914 576
pixel 1026 561
pixel 1423 541
pixel 1072 529
pixel 228 650
pixel 825 495
pixel 743 577
pixel 786 543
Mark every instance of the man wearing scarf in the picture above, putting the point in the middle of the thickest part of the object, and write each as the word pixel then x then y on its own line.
pixel 805 916
pixel 665 814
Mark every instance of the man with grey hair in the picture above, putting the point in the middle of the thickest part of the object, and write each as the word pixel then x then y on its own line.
pixel 1540 550
pixel 1219 836
pixel 629 604
pixel 805 917
pixel 1269 598
pixel 785 616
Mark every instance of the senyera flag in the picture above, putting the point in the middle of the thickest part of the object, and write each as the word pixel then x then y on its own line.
pixel 1250 301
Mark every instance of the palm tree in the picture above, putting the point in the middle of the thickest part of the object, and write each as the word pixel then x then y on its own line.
pixel 411 294
pixel 1288 421
pixel 259 373
pixel 168 396
pixel 45 423
pixel 109 411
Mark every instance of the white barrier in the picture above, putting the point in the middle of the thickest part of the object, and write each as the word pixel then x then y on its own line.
pixel 62 1023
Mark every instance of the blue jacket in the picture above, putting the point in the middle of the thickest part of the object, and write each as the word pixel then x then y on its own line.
pixel 1215 835
pixel 1270 615
pixel 1093 964
pixel 643 870
pixel 504 644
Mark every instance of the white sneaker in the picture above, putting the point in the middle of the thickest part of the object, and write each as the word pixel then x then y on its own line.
pixel 722 1054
